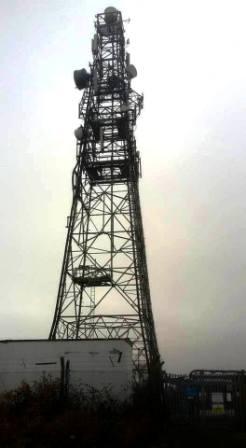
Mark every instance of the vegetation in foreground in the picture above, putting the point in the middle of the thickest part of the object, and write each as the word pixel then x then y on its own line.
pixel 43 417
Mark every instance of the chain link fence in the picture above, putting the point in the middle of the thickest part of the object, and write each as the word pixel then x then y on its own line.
pixel 207 397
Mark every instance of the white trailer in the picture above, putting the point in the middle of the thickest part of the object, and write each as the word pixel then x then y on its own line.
pixel 85 364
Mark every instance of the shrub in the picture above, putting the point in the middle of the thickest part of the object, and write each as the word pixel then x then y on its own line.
pixel 40 416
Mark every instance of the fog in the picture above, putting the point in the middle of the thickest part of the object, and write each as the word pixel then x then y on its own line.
pixel 191 135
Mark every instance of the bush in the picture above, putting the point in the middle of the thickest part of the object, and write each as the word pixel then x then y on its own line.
pixel 41 416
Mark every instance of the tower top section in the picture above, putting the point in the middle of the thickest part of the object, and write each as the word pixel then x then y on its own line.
pixel 111 16
pixel 110 60
pixel 109 22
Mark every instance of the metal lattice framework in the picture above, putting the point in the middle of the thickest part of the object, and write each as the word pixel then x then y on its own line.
pixel 104 287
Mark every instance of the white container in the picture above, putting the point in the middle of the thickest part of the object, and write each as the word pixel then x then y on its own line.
pixel 92 363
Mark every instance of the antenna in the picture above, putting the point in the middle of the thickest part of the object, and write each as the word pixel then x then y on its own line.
pixel 104 287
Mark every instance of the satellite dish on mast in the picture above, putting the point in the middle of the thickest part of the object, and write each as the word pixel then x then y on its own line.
pixel 81 78
pixel 111 15
pixel 131 71
pixel 79 132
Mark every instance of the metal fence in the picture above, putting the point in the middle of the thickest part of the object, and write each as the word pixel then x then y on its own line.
pixel 210 397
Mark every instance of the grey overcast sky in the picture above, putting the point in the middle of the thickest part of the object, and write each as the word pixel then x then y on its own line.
pixel 191 63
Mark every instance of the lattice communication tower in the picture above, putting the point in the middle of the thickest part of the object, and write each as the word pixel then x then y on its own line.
pixel 104 286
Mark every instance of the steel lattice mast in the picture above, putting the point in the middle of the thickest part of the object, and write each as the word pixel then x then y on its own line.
pixel 104 287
